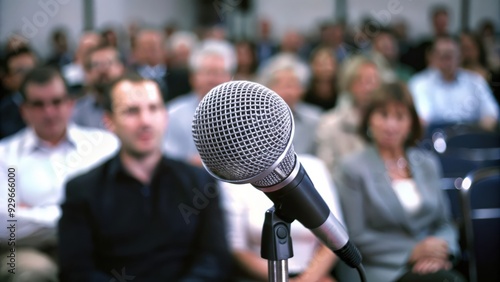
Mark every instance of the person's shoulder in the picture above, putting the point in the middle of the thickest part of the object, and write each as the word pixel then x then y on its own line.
pixel 96 136
pixel 183 168
pixel 181 102
pixel 11 142
pixel 86 183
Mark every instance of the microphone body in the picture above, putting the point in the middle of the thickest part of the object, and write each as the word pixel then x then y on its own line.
pixel 243 132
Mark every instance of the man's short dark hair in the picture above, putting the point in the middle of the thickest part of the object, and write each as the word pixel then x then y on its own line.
pixel 13 54
pixel 39 75
pixel 108 92
pixel 87 61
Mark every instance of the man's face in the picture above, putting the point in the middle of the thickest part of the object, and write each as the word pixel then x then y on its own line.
pixel 211 72
pixel 149 49
pixel 138 118
pixel 446 57
pixel 18 67
pixel 104 67
pixel 47 108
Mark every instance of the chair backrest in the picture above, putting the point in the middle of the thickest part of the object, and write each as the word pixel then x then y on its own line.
pixel 480 201
pixel 461 150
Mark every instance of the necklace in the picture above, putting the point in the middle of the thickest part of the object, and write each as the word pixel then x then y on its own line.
pixel 397 167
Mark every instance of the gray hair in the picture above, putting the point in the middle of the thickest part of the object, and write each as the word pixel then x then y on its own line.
pixel 180 38
pixel 214 47
pixel 285 61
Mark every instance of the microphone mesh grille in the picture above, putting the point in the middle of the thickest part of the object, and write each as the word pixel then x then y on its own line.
pixel 240 129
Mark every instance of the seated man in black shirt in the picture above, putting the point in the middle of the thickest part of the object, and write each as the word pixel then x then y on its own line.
pixel 141 216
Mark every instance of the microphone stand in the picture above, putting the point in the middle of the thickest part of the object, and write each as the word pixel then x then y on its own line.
pixel 276 246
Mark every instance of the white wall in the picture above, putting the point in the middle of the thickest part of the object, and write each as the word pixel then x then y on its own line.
pixel 16 16
pixel 303 15
pixel 414 12
pixel 300 15
pixel 35 20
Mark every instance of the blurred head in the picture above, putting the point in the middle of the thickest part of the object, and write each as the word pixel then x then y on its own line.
pixel 180 46
pixel 385 44
pixel 440 20
pixel 286 75
pixel 211 64
pixel 109 37
pixel 17 64
pixel 148 48
pixel 88 41
pixel 59 41
pixel 291 42
pixel 102 66
pixel 46 107
pixel 472 50
pixel 16 42
pixel 445 56
pixel 323 64
pixel 136 114
pixel 246 56
pixel 332 34
pixel 390 120
pixel 359 77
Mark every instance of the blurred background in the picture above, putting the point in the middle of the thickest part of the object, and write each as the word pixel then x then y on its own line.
pixel 36 20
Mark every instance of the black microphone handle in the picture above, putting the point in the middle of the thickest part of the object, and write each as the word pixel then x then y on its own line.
pixel 299 200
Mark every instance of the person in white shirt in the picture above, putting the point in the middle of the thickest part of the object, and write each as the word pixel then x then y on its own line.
pixel 39 160
pixel 245 209
pixel 446 94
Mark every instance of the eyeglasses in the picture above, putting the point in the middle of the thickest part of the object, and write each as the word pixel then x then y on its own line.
pixel 39 104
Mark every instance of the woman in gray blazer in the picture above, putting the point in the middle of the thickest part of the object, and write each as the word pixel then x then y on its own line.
pixel 395 211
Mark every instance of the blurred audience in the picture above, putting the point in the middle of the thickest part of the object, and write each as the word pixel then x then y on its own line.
pixel 102 66
pixel 491 43
pixel 288 76
pixel 337 130
pixel 247 64
pixel 265 45
pixel 150 57
pixel 74 73
pixel 419 57
pixel 473 55
pixel 61 55
pixel 17 64
pixel 133 214
pixel 322 90
pixel 245 209
pixel 385 54
pixel 180 45
pixel 44 154
pixel 445 93
pixel 211 64
pixel 394 208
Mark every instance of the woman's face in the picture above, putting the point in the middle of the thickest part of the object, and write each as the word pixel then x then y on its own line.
pixel 324 65
pixel 367 80
pixel 390 125
pixel 288 86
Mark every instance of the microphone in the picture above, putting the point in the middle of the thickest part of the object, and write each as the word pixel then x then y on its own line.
pixel 243 132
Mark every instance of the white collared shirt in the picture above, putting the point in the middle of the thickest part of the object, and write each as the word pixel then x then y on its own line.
pixel 41 172
pixel 466 99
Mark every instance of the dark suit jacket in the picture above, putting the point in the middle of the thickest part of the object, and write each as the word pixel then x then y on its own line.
pixel 170 230
pixel 376 221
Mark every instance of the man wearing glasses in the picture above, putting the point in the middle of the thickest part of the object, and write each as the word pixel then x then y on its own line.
pixel 40 159
pixel 102 65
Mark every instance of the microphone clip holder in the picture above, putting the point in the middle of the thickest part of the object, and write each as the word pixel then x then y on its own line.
pixel 276 245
